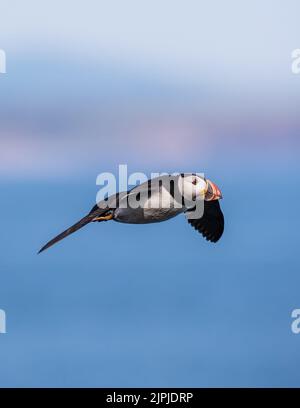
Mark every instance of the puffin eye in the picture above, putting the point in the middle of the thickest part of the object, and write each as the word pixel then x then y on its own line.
pixel 194 182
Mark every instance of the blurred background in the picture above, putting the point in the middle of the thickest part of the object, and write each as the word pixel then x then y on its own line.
pixel 197 86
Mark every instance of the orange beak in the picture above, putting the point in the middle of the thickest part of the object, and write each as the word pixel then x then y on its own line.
pixel 213 192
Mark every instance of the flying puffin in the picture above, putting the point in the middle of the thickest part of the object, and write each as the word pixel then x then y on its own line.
pixel 160 199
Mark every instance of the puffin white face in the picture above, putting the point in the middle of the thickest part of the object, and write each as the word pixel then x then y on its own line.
pixel 194 187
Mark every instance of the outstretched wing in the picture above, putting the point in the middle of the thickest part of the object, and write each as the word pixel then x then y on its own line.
pixel 102 208
pixel 211 224
pixel 95 212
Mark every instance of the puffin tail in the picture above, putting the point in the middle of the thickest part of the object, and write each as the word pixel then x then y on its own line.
pixel 84 221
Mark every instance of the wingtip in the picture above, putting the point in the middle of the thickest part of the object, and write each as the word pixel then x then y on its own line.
pixel 48 245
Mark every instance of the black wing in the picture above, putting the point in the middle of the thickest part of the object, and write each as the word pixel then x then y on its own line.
pixel 211 224
pixel 95 212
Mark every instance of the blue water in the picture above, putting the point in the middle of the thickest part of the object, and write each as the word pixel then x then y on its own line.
pixel 155 305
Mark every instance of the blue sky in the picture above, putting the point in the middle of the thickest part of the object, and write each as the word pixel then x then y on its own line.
pixel 214 78
pixel 232 39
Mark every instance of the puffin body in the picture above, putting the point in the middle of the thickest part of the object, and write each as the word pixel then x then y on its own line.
pixel 158 200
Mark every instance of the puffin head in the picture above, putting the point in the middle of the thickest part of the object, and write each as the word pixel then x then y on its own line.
pixel 196 187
